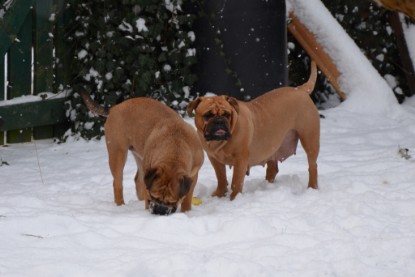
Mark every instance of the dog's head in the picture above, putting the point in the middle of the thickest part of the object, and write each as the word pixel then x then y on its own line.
pixel 215 116
pixel 166 193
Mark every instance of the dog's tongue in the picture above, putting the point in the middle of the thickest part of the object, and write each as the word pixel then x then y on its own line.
pixel 220 132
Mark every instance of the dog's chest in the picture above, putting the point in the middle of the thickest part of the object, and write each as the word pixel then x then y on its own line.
pixel 219 151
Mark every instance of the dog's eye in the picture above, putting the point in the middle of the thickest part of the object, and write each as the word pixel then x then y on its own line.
pixel 207 116
pixel 227 114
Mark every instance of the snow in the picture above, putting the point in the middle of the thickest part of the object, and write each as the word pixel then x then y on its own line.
pixel 350 61
pixel 191 35
pixel 126 27
pixel 141 25
pixel 108 75
pixel 32 98
pixel 167 67
pixel 191 52
pixel 57 216
pixel 82 54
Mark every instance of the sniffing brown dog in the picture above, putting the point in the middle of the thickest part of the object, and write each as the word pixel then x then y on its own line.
pixel 167 151
pixel 264 130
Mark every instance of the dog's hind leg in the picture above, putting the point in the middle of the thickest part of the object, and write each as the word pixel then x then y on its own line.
pixel 117 159
pixel 311 145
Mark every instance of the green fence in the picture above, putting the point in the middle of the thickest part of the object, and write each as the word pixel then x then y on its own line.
pixel 34 60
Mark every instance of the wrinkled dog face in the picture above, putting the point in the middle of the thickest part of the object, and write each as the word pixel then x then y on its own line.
pixel 217 125
pixel 166 193
pixel 215 116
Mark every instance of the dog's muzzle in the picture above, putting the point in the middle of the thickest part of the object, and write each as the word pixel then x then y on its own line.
pixel 217 129
pixel 160 208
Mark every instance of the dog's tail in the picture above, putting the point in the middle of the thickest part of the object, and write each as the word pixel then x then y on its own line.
pixel 309 85
pixel 91 104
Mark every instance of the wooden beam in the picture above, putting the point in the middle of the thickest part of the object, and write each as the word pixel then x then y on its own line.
pixel 406 61
pixel 308 41
pixel 32 114
pixel 405 6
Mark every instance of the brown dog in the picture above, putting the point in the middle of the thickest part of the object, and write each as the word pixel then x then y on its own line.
pixel 167 151
pixel 264 130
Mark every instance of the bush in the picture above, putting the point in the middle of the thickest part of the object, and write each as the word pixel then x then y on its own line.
pixel 126 49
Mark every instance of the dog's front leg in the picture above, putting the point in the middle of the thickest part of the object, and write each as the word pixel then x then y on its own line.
pixel 241 166
pixel 220 171
pixel 187 201
pixel 140 187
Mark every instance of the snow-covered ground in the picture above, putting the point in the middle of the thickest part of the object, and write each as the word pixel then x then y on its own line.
pixel 57 216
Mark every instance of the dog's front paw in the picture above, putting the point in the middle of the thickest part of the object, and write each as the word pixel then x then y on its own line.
pixel 118 197
pixel 119 202
pixel 219 193
pixel 186 205
pixel 234 194
pixel 270 180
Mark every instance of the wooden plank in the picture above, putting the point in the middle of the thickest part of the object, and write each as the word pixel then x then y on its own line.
pixel 19 73
pixel 316 52
pixel 63 51
pixel 2 80
pixel 32 114
pixel 43 47
pixel 11 22
pixel 405 58
pixel 43 57
pixel 405 6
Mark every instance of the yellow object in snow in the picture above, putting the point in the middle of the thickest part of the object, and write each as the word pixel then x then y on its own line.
pixel 196 201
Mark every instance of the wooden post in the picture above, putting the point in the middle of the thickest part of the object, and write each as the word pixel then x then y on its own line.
pixel 406 61
pixel 19 72
pixel 64 52
pixel 316 52
pixel 2 82
pixel 43 58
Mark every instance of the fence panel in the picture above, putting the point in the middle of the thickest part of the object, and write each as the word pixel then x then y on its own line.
pixel 33 67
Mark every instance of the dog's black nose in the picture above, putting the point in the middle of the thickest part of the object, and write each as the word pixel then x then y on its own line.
pixel 161 209
pixel 219 120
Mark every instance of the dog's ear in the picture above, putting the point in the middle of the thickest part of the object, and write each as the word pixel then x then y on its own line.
pixel 185 186
pixel 193 105
pixel 150 176
pixel 233 102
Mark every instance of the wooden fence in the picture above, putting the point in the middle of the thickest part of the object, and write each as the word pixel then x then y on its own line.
pixel 34 60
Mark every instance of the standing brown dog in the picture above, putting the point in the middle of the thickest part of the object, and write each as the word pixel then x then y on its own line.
pixel 167 151
pixel 264 130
